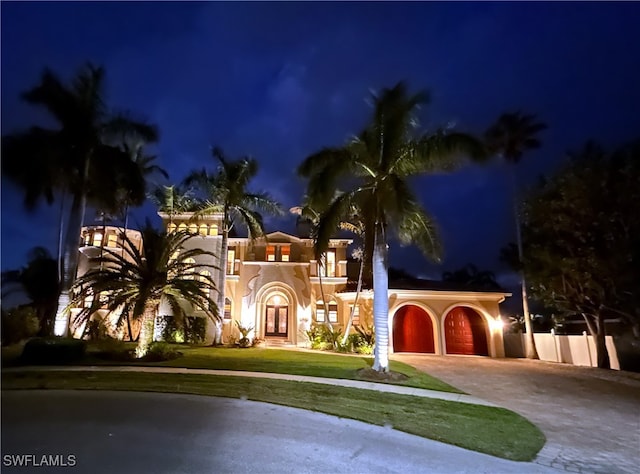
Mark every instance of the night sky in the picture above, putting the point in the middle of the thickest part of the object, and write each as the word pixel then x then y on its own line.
pixel 278 81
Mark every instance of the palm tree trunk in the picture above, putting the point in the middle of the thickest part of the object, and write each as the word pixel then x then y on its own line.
pixel 70 263
pixel 60 239
pixel 355 303
pixel 321 266
pixel 380 301
pixel 601 346
pixel 146 330
pixel 531 351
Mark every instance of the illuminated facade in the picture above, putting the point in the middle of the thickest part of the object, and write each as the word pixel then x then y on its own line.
pixel 273 286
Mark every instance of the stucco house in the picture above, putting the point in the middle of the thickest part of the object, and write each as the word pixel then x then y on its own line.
pixel 273 286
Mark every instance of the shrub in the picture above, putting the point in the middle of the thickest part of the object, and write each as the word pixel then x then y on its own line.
pixel 191 332
pixel 160 351
pixel 324 337
pixel 19 324
pixel 244 341
pixel 53 350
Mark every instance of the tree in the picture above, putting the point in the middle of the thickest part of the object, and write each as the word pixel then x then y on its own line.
pixel 39 279
pixel 136 282
pixel 173 200
pixel 374 168
pixel 226 193
pixel 469 275
pixel 509 137
pixel 77 159
pixel 582 239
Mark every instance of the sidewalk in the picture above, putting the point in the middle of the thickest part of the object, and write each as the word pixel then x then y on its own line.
pixel 380 387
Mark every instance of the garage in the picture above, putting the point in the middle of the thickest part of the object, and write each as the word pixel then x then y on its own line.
pixel 412 330
pixel 465 332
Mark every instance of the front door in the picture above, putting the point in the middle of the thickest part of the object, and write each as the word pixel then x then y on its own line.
pixel 276 320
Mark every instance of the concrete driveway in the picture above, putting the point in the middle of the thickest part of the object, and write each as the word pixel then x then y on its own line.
pixel 145 433
pixel 591 417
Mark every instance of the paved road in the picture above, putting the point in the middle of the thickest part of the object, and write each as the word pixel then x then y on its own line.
pixel 129 432
pixel 591 417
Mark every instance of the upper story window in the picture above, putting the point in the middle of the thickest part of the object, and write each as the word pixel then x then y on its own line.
pixel 112 240
pixel 97 239
pixel 202 230
pixel 213 229
pixel 189 268
pixel 271 253
pixel 328 263
pixel 171 228
pixel 231 260
pixel 193 228
pixel 182 227
pixel 285 252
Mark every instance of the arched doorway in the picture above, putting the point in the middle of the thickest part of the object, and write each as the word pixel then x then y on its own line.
pixel 465 332
pixel 412 330
pixel 276 316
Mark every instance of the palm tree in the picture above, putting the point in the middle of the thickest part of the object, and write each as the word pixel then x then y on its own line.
pixel 469 275
pixel 39 280
pixel 76 159
pixel 137 282
pixel 226 193
pixel 375 168
pixel 509 137
pixel 173 200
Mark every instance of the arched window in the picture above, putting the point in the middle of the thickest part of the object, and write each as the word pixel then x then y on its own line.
pixel 190 270
pixel 193 228
pixel 203 229
pixel 171 228
pixel 213 229
pixel 205 275
pixel 182 227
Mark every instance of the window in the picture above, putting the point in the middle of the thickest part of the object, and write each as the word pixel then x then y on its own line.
pixel 189 268
pixel 112 240
pixel 193 228
pixel 204 276
pixel 271 253
pixel 213 229
pixel 171 228
pixel 97 239
pixel 182 227
pixel 87 238
pixel 231 261
pixel 202 230
pixel 88 300
pixel 356 314
pixel 227 308
pixel 284 253
pixel 333 312
pixel 328 262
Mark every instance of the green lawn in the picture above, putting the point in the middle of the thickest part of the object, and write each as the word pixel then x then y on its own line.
pixel 490 430
pixel 282 361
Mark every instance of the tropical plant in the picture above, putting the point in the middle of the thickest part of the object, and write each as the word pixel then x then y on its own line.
pixel 509 138
pixel 39 280
pixel 77 159
pixel 226 193
pixel 470 276
pixel 173 200
pixel 374 168
pixel 582 240
pixel 138 283
pixel 244 331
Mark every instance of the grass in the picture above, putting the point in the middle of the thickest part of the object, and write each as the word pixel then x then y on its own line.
pixel 495 431
pixel 281 361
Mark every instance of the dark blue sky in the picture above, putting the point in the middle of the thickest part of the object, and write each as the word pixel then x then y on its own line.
pixel 280 80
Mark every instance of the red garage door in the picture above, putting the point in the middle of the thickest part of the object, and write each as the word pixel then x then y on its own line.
pixel 412 330
pixel 465 332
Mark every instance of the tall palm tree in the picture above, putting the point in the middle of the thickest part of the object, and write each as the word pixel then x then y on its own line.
pixel 75 159
pixel 173 200
pixel 375 168
pixel 136 282
pixel 469 275
pixel 509 137
pixel 226 193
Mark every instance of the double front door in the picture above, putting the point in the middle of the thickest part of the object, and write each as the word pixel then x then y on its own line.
pixel 276 320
